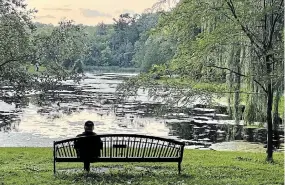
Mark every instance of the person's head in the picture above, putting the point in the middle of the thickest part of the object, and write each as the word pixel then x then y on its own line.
pixel 89 126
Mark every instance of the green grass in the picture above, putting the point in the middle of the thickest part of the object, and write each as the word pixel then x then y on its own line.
pixel 34 166
pixel 253 126
pixel 32 70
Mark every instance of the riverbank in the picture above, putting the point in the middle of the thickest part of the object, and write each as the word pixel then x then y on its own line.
pixel 110 69
pixel 34 166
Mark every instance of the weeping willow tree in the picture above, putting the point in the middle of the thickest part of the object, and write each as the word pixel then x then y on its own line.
pixel 234 42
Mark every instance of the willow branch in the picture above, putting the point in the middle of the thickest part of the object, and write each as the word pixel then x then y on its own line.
pixel 274 23
pixel 243 27
pixel 240 74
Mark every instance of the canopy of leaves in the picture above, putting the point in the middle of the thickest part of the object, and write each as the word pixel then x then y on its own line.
pixel 23 44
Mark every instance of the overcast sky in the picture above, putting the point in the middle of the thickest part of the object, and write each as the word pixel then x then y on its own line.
pixel 89 12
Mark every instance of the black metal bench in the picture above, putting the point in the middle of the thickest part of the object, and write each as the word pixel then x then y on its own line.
pixel 124 148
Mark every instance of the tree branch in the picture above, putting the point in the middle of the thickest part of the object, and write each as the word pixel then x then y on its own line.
pixel 244 28
pixel 237 73
pixel 273 25
pixel 13 60
pixel 241 92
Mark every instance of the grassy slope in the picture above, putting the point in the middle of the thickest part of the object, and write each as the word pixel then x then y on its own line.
pixel 34 166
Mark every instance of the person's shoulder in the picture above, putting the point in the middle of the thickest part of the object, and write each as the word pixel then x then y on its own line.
pixel 79 135
pixel 87 134
pixel 92 134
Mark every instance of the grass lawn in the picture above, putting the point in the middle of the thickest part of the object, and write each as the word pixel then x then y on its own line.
pixel 32 70
pixel 34 166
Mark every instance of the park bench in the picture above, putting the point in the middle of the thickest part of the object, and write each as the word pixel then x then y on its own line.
pixel 124 148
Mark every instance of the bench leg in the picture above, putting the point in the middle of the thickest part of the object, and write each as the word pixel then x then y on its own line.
pixel 87 166
pixel 179 167
pixel 54 167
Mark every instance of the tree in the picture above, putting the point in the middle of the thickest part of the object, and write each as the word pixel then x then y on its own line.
pixel 238 39
pixel 22 45
pixel 119 38
pixel 123 39
pixel 15 32
pixel 155 50
pixel 61 51
pixel 101 29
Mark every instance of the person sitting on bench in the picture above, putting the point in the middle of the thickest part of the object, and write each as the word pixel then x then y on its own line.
pixel 87 147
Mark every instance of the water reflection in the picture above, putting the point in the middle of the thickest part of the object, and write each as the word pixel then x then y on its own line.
pixel 58 114
pixel 61 113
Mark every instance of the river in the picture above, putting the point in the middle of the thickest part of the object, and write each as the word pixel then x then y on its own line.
pixel 37 121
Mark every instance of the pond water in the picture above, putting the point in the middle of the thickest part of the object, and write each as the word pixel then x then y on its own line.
pixel 38 120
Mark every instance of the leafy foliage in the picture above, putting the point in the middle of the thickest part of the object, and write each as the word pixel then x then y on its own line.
pixel 223 41
pixel 56 51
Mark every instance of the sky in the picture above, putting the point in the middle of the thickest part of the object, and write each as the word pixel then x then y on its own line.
pixel 88 12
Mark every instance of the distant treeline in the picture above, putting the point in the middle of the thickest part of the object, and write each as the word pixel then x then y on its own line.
pixel 127 43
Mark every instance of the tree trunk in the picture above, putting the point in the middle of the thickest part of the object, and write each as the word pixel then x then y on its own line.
pixel 269 124
pixel 230 112
pixel 276 119
pixel 229 81
pixel 237 84
pixel 269 114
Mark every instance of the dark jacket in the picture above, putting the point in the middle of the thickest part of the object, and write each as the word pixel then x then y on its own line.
pixel 88 145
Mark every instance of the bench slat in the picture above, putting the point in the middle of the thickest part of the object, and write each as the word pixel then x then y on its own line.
pixel 149 151
pixel 123 149
pixel 177 151
pixel 172 150
pixel 133 150
pixel 105 141
pixel 155 150
pixel 161 149
pixel 138 150
pixel 144 148
pixel 115 150
pixel 58 150
pixel 63 149
pixel 167 150
pixel 128 148
pixel 70 149
pixel 111 151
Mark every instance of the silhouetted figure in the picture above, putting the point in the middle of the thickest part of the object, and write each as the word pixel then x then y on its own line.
pixel 37 66
pixel 89 145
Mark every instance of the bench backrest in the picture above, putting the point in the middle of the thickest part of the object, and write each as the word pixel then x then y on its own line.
pixel 126 146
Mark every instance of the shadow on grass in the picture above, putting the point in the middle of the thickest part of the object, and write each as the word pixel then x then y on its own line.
pixel 133 175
